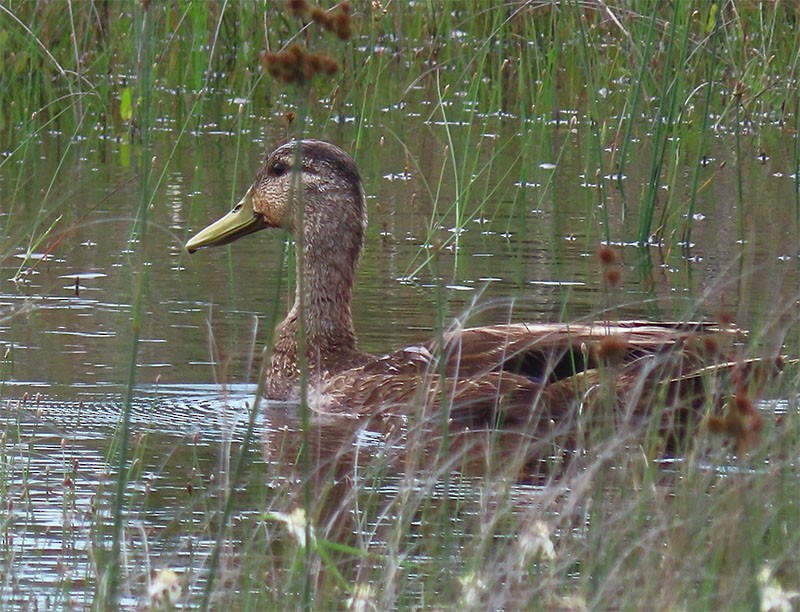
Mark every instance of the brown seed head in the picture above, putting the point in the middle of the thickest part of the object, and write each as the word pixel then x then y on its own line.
pixel 297 65
pixel 328 65
pixel 607 255
pixel 711 346
pixel 725 318
pixel 321 18
pixel 298 8
pixel 342 26
pixel 742 405
pixel 741 421
pixel 612 276
pixel 612 350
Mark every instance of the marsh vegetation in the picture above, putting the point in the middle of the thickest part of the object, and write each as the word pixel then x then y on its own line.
pixel 502 145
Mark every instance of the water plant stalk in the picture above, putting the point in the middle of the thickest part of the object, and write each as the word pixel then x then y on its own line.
pixel 715 34
pixel 145 81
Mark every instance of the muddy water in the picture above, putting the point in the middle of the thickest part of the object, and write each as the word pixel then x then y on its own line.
pixel 525 250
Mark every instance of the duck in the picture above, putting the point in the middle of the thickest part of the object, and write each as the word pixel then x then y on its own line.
pixel 539 376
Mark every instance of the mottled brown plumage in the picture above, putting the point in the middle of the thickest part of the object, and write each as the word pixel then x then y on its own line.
pixel 539 375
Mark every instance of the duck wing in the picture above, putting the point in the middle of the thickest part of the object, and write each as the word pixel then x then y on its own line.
pixel 549 352
pixel 545 376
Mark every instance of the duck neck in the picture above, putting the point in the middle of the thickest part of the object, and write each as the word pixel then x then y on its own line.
pixel 323 298
pixel 324 292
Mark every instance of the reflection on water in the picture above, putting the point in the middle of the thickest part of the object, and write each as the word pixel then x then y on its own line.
pixel 186 438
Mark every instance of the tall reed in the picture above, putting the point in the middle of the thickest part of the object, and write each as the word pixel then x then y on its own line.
pixel 108 594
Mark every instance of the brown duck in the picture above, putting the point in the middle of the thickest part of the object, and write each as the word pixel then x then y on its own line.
pixel 540 376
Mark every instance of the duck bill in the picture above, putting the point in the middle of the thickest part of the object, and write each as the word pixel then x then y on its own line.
pixel 242 220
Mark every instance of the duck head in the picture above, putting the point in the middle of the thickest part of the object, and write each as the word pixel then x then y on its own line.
pixel 321 176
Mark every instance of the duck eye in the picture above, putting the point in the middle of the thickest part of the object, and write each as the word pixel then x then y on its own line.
pixel 278 168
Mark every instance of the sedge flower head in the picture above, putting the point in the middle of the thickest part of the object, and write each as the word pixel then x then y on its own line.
pixel 296 523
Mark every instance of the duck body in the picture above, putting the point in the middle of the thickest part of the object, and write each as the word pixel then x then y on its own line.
pixel 536 375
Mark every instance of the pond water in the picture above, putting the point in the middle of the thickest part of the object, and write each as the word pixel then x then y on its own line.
pixel 525 248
